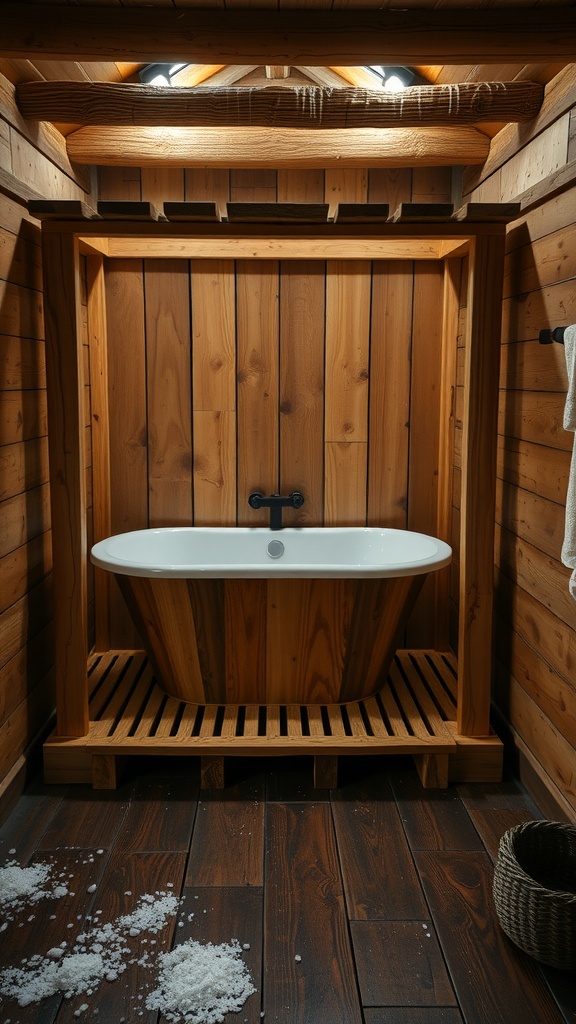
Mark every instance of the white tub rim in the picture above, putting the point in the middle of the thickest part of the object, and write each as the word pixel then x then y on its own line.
pixel 270 568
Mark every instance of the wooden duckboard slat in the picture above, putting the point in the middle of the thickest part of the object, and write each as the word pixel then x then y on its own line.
pixel 414 714
pixel 129 714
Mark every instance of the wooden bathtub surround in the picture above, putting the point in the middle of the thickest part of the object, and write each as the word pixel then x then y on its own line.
pixel 462 746
pixel 277 641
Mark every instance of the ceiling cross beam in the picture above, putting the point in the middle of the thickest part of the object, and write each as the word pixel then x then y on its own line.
pixel 304 107
pixel 491 35
pixel 282 147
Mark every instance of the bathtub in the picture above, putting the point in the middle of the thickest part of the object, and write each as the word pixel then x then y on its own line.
pixel 254 616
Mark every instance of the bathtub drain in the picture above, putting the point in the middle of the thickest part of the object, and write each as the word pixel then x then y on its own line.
pixel 275 549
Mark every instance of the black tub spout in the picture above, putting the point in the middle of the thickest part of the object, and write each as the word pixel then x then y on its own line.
pixel 276 502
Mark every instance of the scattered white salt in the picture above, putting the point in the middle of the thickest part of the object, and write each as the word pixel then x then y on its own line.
pixel 22 887
pixel 150 915
pixel 298 958
pixel 246 945
pixel 55 953
pixel 91 888
pixel 12 851
pixel 200 984
pixel 43 977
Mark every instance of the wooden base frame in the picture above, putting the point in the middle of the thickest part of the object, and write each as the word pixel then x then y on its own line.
pixel 414 713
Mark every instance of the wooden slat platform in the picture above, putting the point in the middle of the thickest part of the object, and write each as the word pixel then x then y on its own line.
pixel 414 714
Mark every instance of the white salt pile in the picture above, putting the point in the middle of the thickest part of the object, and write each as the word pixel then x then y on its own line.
pixel 71 974
pixel 200 984
pixel 197 984
pixel 22 887
pixel 98 955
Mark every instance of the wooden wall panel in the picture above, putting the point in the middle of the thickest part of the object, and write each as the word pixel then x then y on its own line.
pixel 348 286
pixel 302 320
pixel 535 614
pixel 128 422
pixel 390 361
pixel 213 335
pixel 32 158
pixel 169 411
pixel 214 391
pixel 258 384
pixel 214 468
pixel 425 430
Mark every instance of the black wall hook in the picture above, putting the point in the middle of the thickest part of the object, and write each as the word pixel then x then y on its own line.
pixel 546 337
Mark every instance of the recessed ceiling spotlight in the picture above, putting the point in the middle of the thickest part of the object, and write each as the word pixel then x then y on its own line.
pixel 159 74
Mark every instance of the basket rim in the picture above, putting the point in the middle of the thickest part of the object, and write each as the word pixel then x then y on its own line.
pixel 508 857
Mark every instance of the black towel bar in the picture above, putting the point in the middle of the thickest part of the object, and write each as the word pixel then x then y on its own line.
pixel 546 337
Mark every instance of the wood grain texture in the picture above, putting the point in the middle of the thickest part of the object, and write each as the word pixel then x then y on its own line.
pixel 214 468
pixel 228 842
pixel 245 637
pixel 391 329
pixel 65 378
pixel 455 37
pixel 160 816
pixel 478 486
pixel 433 820
pixel 400 962
pixel 377 870
pixel 258 375
pixel 302 388
pixel 322 981
pixel 413 1015
pixel 109 103
pixel 425 388
pixel 258 148
pixel 102 511
pixel 458 888
pixel 168 364
pixel 125 318
pixel 213 335
pixel 306 633
pixel 347 348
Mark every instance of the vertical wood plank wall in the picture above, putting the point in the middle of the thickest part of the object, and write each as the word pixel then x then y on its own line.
pixel 276 375
pixel 34 164
pixel 535 617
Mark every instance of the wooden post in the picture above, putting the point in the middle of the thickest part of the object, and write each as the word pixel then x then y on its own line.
pixel 102 520
pixel 452 270
pixel 65 384
pixel 481 379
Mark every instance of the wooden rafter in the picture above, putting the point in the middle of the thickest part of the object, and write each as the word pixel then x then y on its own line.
pixel 107 103
pixel 291 37
pixel 282 147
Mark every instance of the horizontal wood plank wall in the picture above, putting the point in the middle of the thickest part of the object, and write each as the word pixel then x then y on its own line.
pixel 35 163
pixel 535 615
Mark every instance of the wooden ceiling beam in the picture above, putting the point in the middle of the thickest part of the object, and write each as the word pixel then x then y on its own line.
pixel 281 147
pixel 491 35
pixel 304 107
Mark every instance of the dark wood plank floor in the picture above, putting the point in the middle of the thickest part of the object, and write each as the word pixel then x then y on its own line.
pixel 369 904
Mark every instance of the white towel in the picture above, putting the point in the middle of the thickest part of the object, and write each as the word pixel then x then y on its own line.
pixel 569 546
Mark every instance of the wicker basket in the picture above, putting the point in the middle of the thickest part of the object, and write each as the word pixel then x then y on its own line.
pixel 535 890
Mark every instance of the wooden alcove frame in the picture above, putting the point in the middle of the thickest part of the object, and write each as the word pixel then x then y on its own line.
pixel 465 748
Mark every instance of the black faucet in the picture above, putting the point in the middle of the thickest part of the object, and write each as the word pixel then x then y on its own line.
pixel 275 502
